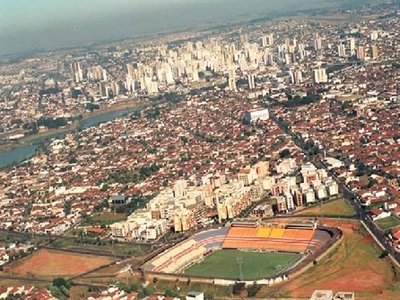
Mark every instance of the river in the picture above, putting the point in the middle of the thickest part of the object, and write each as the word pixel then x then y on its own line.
pixel 20 154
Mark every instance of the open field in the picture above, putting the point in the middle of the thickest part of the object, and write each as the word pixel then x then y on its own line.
pixel 104 246
pixel 353 266
pixel 13 237
pixel 255 265
pixel 104 218
pixel 54 263
pixel 388 223
pixel 336 19
pixel 339 207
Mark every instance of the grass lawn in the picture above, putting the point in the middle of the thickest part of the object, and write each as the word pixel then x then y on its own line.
pixel 339 207
pixel 388 223
pixel 255 265
pixel 104 218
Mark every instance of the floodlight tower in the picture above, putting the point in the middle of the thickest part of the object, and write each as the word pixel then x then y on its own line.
pixel 239 261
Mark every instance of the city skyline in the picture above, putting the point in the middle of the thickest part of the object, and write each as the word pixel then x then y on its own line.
pixel 50 24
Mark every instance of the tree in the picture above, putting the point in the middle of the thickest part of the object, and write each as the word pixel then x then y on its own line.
pixel 171 293
pixel 147 291
pixel 253 290
pixel 59 281
pixel 67 208
pixel 238 288
pixel 284 153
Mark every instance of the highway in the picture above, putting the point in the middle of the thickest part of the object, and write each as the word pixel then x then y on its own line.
pixel 347 194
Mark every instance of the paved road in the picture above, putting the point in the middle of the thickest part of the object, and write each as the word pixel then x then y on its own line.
pixel 347 193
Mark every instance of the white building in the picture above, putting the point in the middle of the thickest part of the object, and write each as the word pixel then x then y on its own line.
pixel 257 114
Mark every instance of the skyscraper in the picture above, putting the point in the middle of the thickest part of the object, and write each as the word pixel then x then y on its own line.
pixel 352 46
pixel 77 71
pixel 374 51
pixel 103 90
pixel 232 80
pixel 341 50
pixel 360 52
pixel 317 42
pixel 320 75
pixel 251 81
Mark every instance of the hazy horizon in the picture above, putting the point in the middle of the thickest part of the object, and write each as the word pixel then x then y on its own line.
pixel 27 25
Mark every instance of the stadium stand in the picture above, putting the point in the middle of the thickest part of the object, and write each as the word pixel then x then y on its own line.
pixel 268 238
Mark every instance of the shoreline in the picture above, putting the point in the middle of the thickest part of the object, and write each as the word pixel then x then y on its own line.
pixel 28 140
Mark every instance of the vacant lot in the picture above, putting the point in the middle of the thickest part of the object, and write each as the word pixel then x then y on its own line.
pixel 339 207
pixel 105 247
pixel 224 264
pixel 55 263
pixel 104 218
pixel 353 266
pixel 388 223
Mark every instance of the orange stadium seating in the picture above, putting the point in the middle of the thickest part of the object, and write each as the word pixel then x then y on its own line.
pixel 263 232
pixel 267 238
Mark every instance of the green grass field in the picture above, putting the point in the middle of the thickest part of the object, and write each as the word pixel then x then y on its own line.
pixel 256 265
pixel 339 207
pixel 388 223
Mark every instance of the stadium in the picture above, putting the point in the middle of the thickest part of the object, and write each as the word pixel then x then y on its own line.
pixel 244 252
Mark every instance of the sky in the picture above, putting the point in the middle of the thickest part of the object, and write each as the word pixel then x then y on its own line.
pixel 48 24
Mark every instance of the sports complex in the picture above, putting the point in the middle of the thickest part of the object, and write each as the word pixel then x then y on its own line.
pixel 244 252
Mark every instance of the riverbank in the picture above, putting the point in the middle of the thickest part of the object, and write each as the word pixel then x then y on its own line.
pixel 28 140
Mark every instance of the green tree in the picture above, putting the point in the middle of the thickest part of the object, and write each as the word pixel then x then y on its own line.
pixel 67 208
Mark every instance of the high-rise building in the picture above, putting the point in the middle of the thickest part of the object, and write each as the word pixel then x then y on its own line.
pixel 352 43
pixel 360 52
pixel 317 42
pixel 244 38
pixel 232 80
pixel 374 51
pixel 374 35
pixel 264 41
pixel 296 76
pixel 342 50
pixel 97 73
pixel 103 90
pixel 77 71
pixel 115 88
pixel 270 39
pixel 320 75
pixel 251 81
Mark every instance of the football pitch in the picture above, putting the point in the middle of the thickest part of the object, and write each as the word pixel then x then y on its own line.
pixel 254 265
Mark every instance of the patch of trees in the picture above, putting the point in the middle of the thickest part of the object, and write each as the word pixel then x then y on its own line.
pixel 49 91
pixel 153 113
pixel 311 148
pixel 60 288
pixel 335 68
pixel 253 289
pixel 171 97
pixel 92 106
pixel 67 208
pixel 125 176
pixel 75 93
pixel 285 153
pixel 299 101
pixel 238 288
pixel 137 202
pixel 52 123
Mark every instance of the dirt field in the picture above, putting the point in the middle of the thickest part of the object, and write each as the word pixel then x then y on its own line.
pixel 353 266
pixel 54 263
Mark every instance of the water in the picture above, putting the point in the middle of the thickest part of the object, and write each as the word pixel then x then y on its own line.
pixel 20 154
